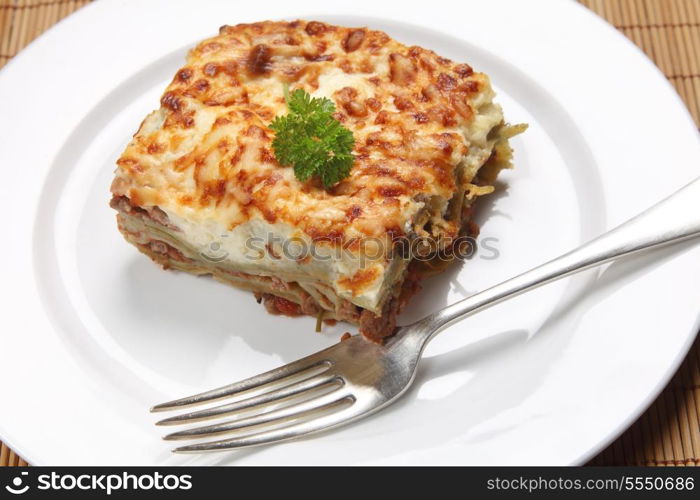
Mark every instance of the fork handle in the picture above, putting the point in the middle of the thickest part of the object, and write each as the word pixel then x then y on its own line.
pixel 674 219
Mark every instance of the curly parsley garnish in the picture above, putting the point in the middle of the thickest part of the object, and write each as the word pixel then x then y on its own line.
pixel 311 140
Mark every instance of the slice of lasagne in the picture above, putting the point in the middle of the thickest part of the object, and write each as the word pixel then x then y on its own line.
pixel 198 189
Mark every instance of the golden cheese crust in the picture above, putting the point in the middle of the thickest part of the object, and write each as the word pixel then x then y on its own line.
pixel 422 126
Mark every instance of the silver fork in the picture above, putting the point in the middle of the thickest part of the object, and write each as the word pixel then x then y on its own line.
pixel 356 378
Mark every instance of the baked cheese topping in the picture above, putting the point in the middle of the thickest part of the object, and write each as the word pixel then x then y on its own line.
pixel 206 154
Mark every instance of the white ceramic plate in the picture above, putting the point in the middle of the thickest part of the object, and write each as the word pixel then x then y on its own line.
pixel 94 333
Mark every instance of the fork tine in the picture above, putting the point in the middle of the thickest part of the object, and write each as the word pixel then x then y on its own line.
pixel 280 416
pixel 290 393
pixel 336 414
pixel 258 381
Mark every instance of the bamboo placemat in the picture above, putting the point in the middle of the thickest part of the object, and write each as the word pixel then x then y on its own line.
pixel 669 32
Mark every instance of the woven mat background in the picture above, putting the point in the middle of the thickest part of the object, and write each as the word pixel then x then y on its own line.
pixel 669 32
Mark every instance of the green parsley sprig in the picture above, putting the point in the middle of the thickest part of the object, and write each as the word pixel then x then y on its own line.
pixel 311 140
